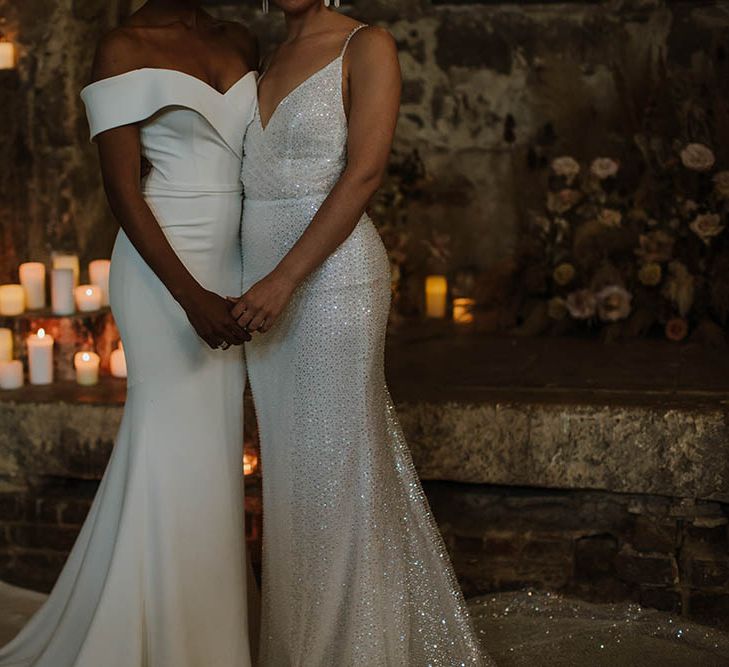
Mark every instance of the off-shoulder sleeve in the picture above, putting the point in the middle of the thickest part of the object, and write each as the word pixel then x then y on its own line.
pixel 136 96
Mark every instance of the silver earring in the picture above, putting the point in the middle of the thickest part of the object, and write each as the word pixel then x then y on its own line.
pixel 265 6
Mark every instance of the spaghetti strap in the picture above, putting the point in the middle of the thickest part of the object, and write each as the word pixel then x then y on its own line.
pixel 349 37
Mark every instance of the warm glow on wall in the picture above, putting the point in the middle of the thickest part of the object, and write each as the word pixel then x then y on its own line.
pixel 7 53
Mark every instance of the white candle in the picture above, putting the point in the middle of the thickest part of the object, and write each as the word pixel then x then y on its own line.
pixel 463 310
pixel 87 367
pixel 7 55
pixel 436 291
pixel 88 298
pixel 6 344
pixel 40 357
pixel 118 363
pixel 62 291
pixel 99 275
pixel 63 261
pixel 11 374
pixel 12 299
pixel 33 280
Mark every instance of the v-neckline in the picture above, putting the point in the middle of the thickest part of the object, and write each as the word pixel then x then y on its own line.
pixel 289 94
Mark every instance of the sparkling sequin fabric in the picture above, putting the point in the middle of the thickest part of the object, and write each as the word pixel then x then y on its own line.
pixel 355 572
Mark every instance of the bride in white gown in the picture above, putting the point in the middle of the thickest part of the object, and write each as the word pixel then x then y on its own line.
pixel 355 573
pixel 157 577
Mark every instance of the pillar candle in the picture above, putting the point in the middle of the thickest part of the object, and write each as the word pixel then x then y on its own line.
pixel 87 367
pixel 63 261
pixel 88 298
pixel 11 374
pixel 99 275
pixel 463 310
pixel 12 299
pixel 436 291
pixel 62 292
pixel 118 363
pixel 6 344
pixel 40 357
pixel 7 55
pixel 33 280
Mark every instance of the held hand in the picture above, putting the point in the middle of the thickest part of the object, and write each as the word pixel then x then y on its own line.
pixel 259 307
pixel 210 315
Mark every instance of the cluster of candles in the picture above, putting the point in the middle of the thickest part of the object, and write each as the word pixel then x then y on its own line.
pixel 436 301
pixel 67 296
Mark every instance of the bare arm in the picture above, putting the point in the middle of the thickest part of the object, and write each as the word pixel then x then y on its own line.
pixel 120 156
pixel 374 87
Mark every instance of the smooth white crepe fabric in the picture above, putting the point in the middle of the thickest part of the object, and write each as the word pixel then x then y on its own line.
pixel 157 577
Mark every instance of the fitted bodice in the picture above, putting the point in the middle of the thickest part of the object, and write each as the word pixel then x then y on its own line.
pixel 302 150
pixel 191 133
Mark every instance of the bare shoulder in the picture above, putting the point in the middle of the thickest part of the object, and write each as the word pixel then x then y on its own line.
pixel 118 52
pixel 243 39
pixel 372 42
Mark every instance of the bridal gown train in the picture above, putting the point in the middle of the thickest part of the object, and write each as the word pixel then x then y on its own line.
pixel 355 572
pixel 157 576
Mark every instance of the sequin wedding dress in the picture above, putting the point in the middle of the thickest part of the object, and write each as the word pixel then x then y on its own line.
pixel 355 572
pixel 157 576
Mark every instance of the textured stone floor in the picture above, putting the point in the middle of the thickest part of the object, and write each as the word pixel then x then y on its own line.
pixel 526 629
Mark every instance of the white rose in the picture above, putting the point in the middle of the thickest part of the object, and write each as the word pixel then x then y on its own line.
pixel 566 166
pixel 697 157
pixel 604 167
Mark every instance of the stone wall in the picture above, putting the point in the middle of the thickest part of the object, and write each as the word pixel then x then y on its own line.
pixel 491 90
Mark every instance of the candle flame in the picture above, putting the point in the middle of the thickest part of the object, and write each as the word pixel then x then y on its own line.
pixel 89 291
pixel 41 333
pixel 85 356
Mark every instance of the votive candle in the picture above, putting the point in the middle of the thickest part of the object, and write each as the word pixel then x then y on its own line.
pixel 7 55
pixel 99 275
pixel 33 280
pixel 463 310
pixel 436 292
pixel 6 344
pixel 67 261
pixel 62 302
pixel 11 374
pixel 87 367
pixel 40 357
pixel 118 363
pixel 12 299
pixel 88 298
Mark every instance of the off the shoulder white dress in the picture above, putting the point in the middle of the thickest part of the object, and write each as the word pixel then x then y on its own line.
pixel 157 577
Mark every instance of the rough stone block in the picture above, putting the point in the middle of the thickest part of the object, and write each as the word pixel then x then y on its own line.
pixel 642 568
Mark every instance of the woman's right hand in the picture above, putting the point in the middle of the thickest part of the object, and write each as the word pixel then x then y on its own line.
pixel 210 315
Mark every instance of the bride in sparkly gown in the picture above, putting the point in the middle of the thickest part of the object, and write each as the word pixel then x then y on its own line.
pixel 355 572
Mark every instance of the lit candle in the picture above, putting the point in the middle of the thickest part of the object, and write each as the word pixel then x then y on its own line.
pixel 63 261
pixel 33 280
pixel 6 344
pixel 118 363
pixel 463 310
pixel 12 299
pixel 11 374
pixel 250 462
pixel 99 275
pixel 62 291
pixel 40 357
pixel 88 297
pixel 436 291
pixel 7 55
pixel 87 367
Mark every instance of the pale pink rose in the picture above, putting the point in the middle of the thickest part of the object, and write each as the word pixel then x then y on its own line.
pixel 581 304
pixel 656 246
pixel 566 167
pixel 613 303
pixel 706 226
pixel 563 201
pixel 604 167
pixel 610 217
pixel 697 157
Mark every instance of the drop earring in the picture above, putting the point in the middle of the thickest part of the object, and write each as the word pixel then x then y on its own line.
pixel 265 6
pixel 329 2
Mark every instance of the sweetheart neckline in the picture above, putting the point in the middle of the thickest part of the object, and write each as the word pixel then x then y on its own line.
pixel 205 84
pixel 290 93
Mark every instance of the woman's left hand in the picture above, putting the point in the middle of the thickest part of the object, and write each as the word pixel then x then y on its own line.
pixel 259 307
